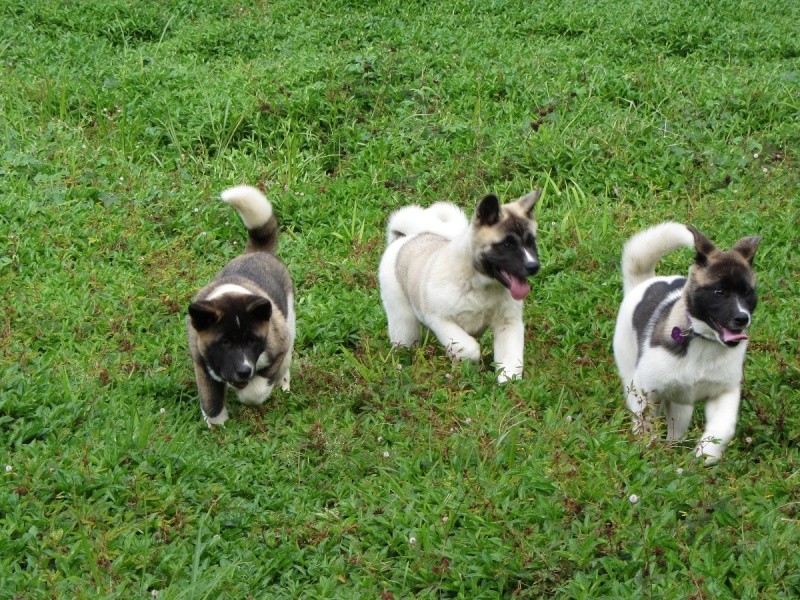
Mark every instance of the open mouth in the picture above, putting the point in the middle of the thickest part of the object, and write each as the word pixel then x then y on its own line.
pixel 239 385
pixel 519 288
pixel 731 337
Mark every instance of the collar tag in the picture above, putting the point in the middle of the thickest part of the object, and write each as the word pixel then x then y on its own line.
pixel 678 335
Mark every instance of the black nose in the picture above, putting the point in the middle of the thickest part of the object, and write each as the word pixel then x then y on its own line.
pixel 532 268
pixel 243 373
pixel 741 320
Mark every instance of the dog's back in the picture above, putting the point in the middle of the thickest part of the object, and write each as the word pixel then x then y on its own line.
pixel 643 251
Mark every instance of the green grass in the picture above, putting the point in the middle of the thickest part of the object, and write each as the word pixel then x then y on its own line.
pixel 122 122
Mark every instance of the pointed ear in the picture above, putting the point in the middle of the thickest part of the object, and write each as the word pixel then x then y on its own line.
pixel 528 201
pixel 488 211
pixel 747 247
pixel 203 315
pixel 703 246
pixel 260 309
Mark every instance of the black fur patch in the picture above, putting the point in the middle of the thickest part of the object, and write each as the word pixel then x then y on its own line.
pixel 650 314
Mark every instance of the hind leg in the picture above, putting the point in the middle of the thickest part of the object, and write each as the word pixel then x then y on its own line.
pixel 403 324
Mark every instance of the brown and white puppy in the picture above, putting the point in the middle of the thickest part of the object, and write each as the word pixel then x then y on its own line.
pixel 241 326
pixel 681 340
pixel 460 278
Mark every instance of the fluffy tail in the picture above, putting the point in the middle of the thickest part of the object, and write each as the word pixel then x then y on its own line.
pixel 257 215
pixel 442 218
pixel 643 251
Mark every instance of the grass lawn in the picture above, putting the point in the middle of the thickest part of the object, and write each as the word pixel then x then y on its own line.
pixel 383 474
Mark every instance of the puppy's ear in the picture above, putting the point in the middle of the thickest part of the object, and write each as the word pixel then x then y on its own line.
pixel 703 246
pixel 488 211
pixel 747 247
pixel 260 309
pixel 203 315
pixel 528 201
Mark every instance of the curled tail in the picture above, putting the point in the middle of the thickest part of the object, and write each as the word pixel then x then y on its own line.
pixel 257 215
pixel 643 251
pixel 442 218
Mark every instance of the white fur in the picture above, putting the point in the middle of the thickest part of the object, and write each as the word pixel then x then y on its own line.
pixel 709 370
pixel 227 288
pixel 442 218
pixel 454 301
pixel 218 420
pixel 250 203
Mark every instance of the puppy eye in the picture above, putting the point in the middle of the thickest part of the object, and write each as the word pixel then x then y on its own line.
pixel 719 292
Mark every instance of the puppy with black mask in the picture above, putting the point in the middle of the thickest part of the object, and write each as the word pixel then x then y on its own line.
pixel 680 340
pixel 241 326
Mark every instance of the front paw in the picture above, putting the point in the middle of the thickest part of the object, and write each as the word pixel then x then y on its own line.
pixel 219 420
pixel 467 350
pixel 509 374
pixel 710 451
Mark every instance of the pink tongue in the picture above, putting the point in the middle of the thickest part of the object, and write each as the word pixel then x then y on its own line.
pixel 518 288
pixel 729 336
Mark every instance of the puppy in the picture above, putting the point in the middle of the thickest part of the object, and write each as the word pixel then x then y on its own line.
pixel 678 339
pixel 241 326
pixel 460 278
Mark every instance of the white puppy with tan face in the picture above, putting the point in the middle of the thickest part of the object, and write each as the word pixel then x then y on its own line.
pixel 460 278
pixel 681 340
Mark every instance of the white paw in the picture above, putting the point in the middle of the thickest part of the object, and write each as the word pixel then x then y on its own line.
pixel 219 420
pixel 509 374
pixel 465 351
pixel 710 451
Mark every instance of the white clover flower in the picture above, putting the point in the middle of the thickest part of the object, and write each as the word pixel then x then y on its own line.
pixel 679 470
pixel 380 439
pixel 162 410
pixel 448 376
pixel 755 154
pixel 445 519
pixel 412 540
pixel 748 440
pixel 468 421
pixel 385 454
pixel 568 419
pixel 9 468
pixel 633 498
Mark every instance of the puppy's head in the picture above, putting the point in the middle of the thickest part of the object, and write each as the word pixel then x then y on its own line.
pixel 231 335
pixel 504 242
pixel 721 290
